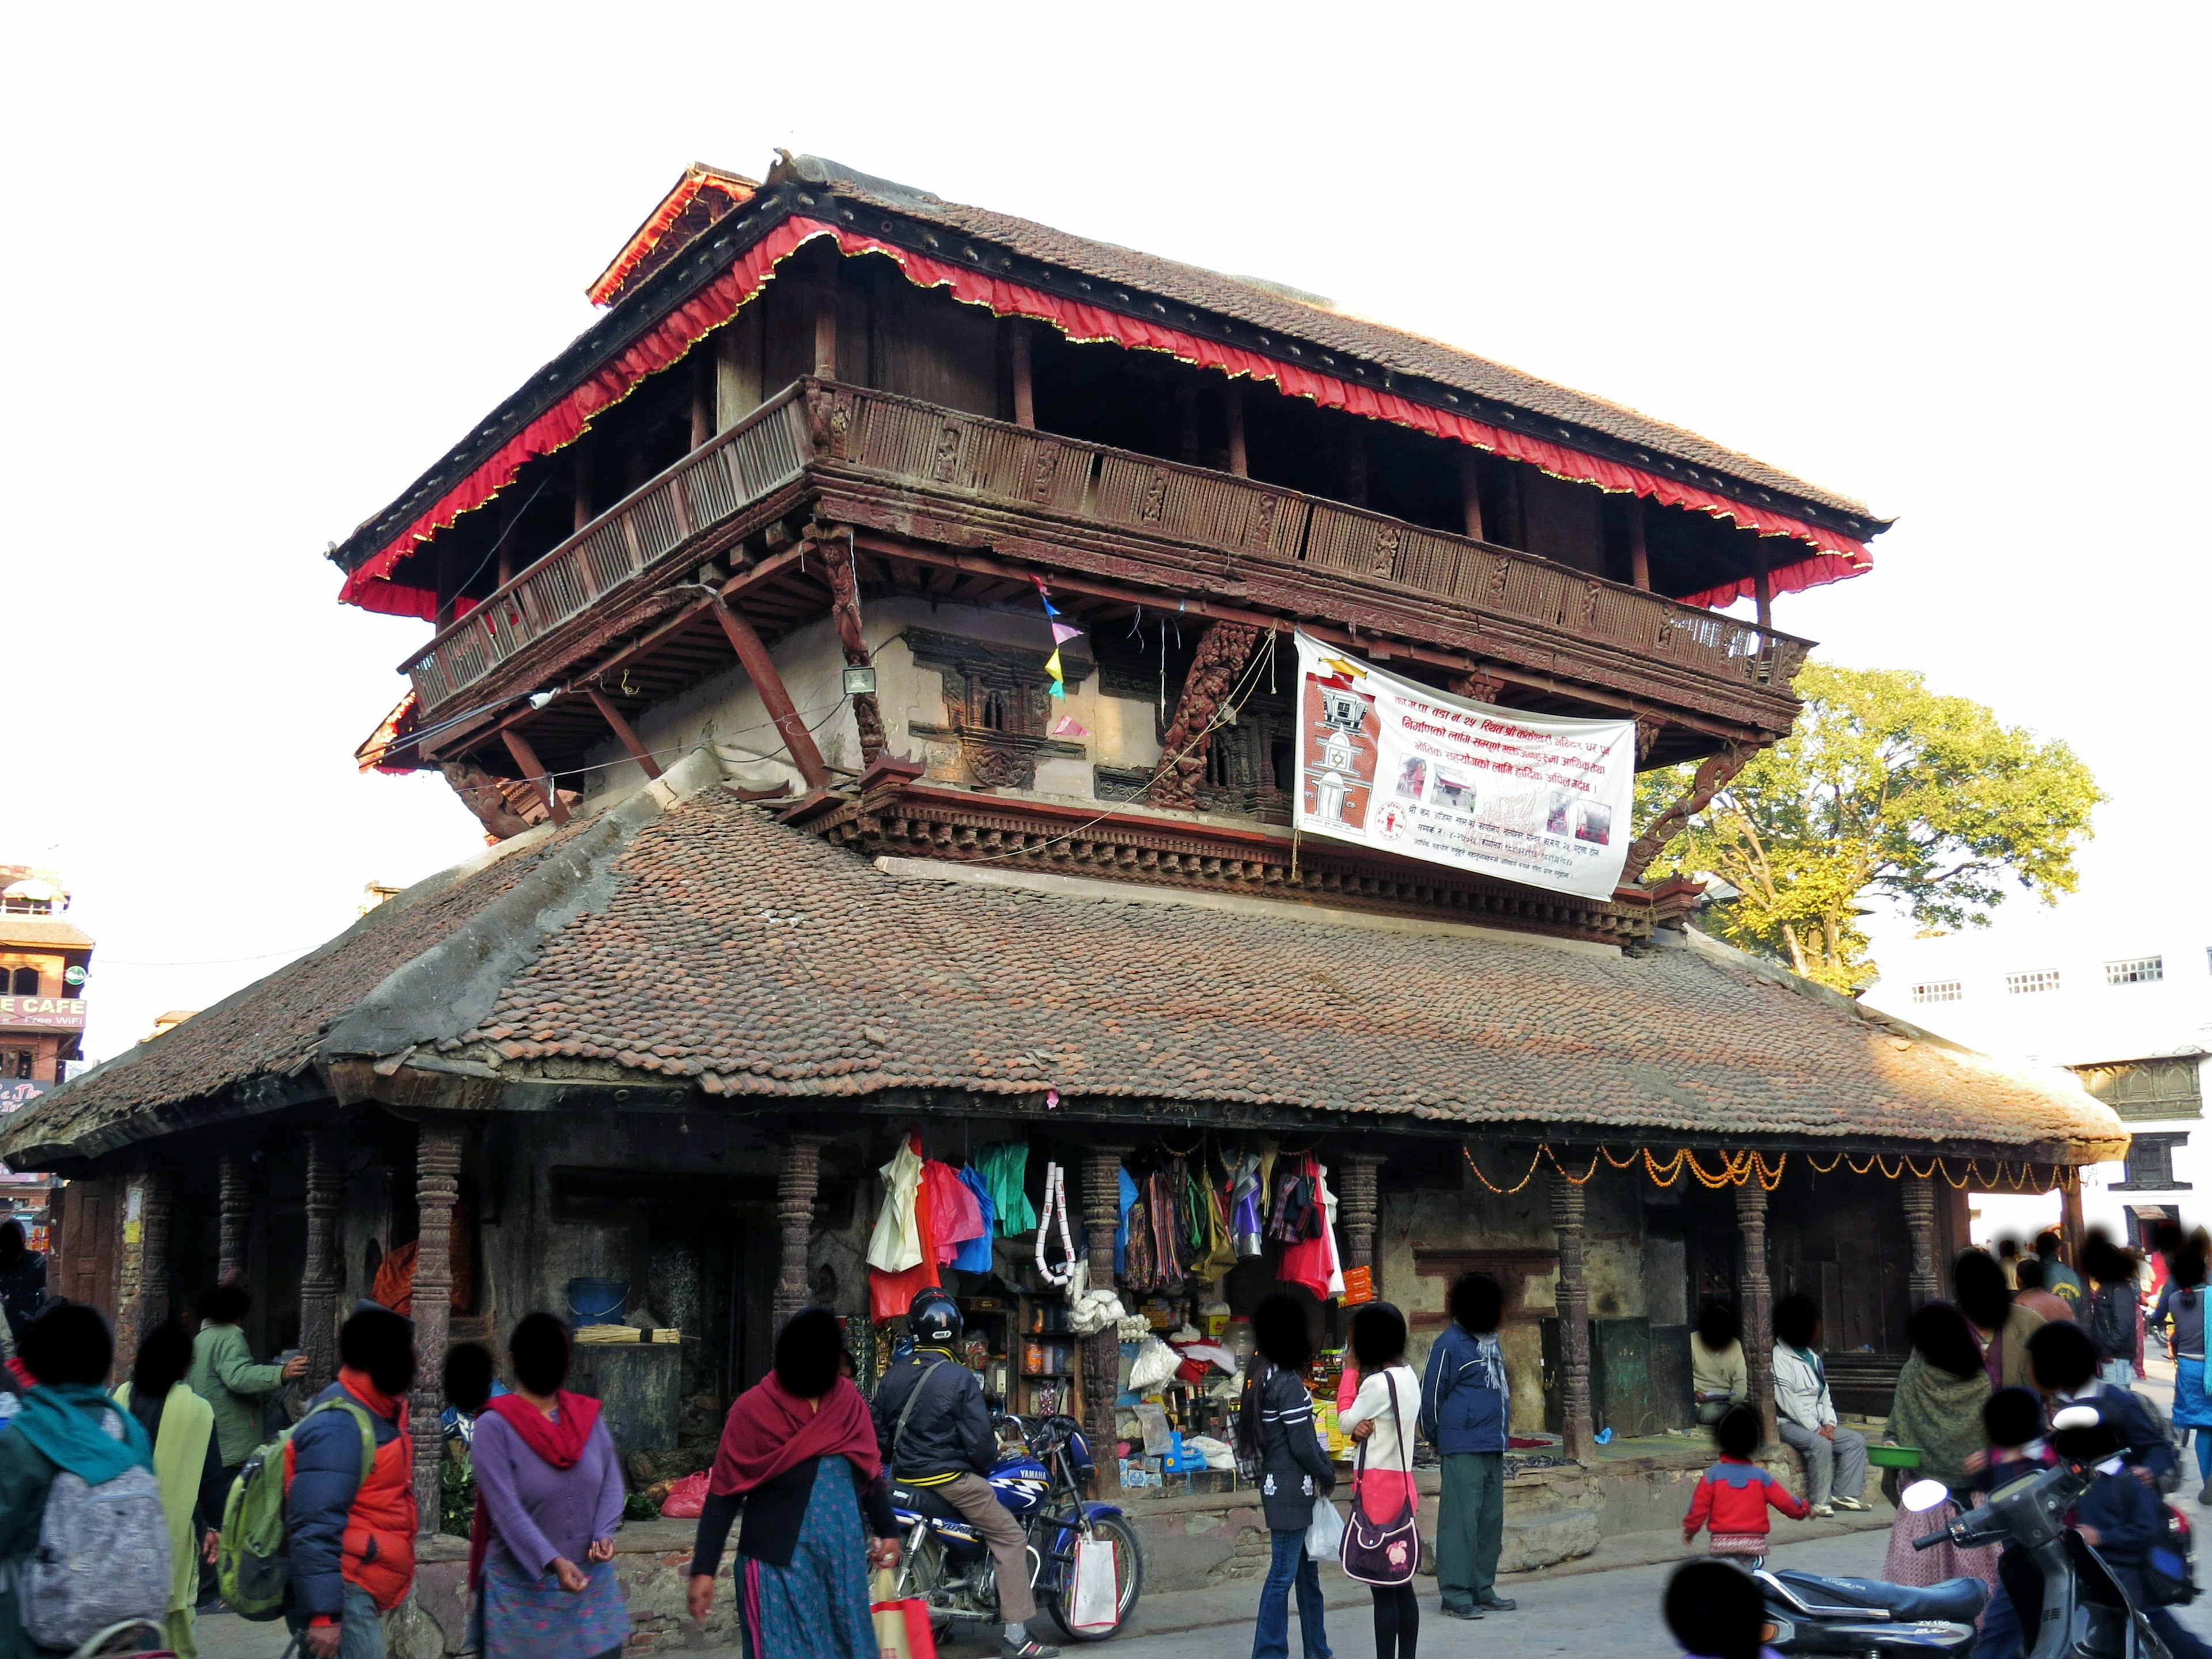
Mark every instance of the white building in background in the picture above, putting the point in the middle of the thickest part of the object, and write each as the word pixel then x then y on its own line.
pixel 2126 1007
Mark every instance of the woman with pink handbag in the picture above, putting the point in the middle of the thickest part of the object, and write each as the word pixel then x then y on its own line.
pixel 1381 1547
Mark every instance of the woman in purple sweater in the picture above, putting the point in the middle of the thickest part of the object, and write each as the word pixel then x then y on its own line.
pixel 549 1496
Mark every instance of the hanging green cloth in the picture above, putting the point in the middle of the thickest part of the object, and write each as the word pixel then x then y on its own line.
pixel 1005 1167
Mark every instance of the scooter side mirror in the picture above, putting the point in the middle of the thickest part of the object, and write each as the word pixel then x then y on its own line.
pixel 1923 1495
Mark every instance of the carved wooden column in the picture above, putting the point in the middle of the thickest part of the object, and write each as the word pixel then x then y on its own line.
pixel 236 1205
pixel 318 1278
pixel 1758 1301
pixel 1101 1354
pixel 845 617
pixel 1353 1178
pixel 1222 655
pixel 1577 1425
pixel 2071 1226
pixel 142 1299
pixel 1921 1285
pixel 437 1190
pixel 798 1176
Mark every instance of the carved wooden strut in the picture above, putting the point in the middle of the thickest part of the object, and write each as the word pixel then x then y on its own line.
pixel 1222 655
pixel 1714 774
pixel 845 617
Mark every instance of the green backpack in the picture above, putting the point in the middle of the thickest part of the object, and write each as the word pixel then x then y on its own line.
pixel 254 1562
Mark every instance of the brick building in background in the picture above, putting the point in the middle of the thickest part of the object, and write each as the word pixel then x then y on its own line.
pixel 44 959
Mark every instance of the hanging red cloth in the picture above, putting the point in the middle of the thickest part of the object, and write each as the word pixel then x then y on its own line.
pixel 959 1217
pixel 890 1293
pixel 1308 1261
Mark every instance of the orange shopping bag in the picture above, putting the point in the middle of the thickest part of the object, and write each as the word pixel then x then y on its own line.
pixel 903 1629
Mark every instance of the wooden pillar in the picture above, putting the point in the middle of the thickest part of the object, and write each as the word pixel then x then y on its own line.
pixel 703 393
pixel 142 1264
pixel 761 669
pixel 1639 554
pixel 1101 1354
pixel 1355 465
pixel 508 512
pixel 1232 408
pixel 797 1177
pixel 534 770
pixel 1764 589
pixel 437 1189
pixel 580 473
pixel 2071 1227
pixel 1758 1312
pixel 1577 1423
pixel 825 323
pixel 1922 1285
pixel 1353 1177
pixel 1470 492
pixel 845 617
pixel 235 1204
pixel 623 735
pixel 318 1277
pixel 1018 347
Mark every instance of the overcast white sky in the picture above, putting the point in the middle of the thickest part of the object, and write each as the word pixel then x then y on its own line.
pixel 265 264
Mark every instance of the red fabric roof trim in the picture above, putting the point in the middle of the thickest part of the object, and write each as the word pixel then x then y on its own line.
pixel 1838 556
pixel 635 251
pixel 398 724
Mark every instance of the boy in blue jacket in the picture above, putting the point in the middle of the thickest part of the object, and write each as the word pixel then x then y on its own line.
pixel 1463 1415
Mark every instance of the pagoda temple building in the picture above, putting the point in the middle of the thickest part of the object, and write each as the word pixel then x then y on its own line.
pixel 874 650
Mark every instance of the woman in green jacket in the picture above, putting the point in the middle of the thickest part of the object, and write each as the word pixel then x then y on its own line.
pixel 224 1375
pixel 68 1422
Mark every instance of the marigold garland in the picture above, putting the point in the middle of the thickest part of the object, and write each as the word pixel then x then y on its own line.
pixel 1738 1168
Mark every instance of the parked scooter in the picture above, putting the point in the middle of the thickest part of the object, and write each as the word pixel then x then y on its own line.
pixel 2085 1612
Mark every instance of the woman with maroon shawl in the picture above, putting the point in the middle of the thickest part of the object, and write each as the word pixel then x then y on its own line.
pixel 549 1497
pixel 798 1458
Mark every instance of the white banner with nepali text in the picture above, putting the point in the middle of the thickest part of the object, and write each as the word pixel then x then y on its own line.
pixel 1393 765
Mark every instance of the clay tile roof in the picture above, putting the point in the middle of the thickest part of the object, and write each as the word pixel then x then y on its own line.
pixel 706 945
pixel 43 934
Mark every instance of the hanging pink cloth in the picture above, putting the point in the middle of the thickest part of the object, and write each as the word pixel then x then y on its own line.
pixel 1312 1261
pixel 958 1217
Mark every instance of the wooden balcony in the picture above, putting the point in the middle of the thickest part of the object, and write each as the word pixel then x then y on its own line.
pixel 814 432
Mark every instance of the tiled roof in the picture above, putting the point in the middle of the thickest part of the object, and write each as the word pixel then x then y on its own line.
pixel 1272 309
pixel 719 949
pixel 43 934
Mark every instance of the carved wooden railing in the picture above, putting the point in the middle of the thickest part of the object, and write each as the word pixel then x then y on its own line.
pixel 629 548
pixel 657 529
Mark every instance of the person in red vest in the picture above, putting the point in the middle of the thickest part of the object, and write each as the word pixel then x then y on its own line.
pixel 353 1528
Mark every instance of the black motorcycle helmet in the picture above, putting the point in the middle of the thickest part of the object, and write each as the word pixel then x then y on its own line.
pixel 932 1319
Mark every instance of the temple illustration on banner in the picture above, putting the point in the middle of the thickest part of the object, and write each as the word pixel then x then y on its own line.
pixel 1340 767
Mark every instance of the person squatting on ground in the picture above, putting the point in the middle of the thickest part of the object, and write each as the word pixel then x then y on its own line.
pixel 1465 1406
pixel 67 1423
pixel 1275 1435
pixel 1717 1611
pixel 1805 1414
pixel 1732 1497
pixel 946 1445
pixel 1384 1415
pixel 1719 1376
pixel 800 1458
pixel 180 1427
pixel 352 1529
pixel 549 1497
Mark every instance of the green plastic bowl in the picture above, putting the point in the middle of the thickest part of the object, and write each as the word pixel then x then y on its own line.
pixel 1893 1457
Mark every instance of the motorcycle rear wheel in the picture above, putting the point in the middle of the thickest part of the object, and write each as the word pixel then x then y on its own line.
pixel 1129 1561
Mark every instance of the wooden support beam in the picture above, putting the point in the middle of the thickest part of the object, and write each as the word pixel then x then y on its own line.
pixel 234 1208
pixel 532 768
pixel 1757 1302
pixel 1639 554
pixel 1221 656
pixel 1470 493
pixel 509 510
pixel 1025 388
pixel 825 324
pixel 1356 1192
pixel 1101 1198
pixel 2071 1226
pixel 1577 1424
pixel 318 1274
pixel 1712 776
pixel 1764 591
pixel 579 476
pixel 623 735
pixel 845 617
pixel 761 669
pixel 702 398
pixel 1921 1285
pixel 437 1191
pixel 797 1176
pixel 1232 406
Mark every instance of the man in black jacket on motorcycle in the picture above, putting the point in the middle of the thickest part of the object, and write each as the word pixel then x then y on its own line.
pixel 936 1436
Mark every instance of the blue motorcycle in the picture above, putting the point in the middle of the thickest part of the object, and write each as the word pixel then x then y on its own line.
pixel 1039 1476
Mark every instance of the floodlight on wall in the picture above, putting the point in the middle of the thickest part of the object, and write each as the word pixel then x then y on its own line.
pixel 861 681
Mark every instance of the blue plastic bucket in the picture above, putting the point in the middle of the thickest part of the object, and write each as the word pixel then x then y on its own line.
pixel 594 1300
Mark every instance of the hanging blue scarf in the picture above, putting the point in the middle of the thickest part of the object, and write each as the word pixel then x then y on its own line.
pixel 80 1428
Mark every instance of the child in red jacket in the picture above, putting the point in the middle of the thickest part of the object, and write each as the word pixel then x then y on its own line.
pixel 1733 1495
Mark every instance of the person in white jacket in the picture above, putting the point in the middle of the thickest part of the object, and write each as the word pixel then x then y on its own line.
pixel 1835 1457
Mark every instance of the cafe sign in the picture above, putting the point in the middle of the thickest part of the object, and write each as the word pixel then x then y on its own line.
pixel 41 1014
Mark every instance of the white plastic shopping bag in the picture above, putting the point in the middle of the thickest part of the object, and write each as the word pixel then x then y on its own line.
pixel 1325 1532
pixel 1097 1587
